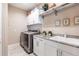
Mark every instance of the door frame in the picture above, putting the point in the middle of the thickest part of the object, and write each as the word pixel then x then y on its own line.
pixel 4 29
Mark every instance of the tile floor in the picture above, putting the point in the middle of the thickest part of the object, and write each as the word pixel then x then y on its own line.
pixel 16 50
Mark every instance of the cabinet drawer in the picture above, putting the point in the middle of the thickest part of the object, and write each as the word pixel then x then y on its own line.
pixel 69 49
pixel 51 43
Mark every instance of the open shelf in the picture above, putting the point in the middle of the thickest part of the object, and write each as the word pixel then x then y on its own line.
pixel 58 8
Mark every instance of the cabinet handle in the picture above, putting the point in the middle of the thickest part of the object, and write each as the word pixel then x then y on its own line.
pixel 59 52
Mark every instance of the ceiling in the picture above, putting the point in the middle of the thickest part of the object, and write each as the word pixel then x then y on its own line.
pixel 25 6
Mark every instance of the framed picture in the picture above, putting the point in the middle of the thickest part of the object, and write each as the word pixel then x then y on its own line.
pixel 66 21
pixel 57 23
pixel 76 21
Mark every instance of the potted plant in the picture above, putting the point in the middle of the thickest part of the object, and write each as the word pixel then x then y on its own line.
pixel 45 7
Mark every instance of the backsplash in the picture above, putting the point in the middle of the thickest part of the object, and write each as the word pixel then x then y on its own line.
pixel 72 29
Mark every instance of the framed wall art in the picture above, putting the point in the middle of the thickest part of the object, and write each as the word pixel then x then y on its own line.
pixel 76 20
pixel 57 23
pixel 66 22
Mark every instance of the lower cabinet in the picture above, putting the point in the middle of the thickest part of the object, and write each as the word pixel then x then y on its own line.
pixel 50 50
pixel 68 50
pixel 43 47
pixel 35 46
pixel 38 46
pixel 66 54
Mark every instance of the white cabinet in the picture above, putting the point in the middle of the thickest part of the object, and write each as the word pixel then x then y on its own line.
pixel 43 47
pixel 67 49
pixel 50 50
pixel 34 18
pixel 66 54
pixel 38 46
pixel 63 53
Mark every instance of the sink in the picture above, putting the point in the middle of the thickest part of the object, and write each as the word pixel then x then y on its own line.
pixel 57 37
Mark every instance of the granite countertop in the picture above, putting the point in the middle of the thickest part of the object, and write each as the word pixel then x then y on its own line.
pixel 68 41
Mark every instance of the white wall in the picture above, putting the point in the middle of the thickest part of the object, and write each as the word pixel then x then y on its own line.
pixel 0 29
pixel 17 24
pixel 0 20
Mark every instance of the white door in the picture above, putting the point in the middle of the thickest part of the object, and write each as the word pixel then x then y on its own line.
pixel 50 50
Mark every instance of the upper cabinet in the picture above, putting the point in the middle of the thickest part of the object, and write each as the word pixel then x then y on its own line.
pixel 34 18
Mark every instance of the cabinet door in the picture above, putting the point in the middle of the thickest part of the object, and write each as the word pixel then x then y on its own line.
pixel 66 54
pixel 36 18
pixel 36 46
pixel 41 47
pixel 50 50
pixel 69 49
